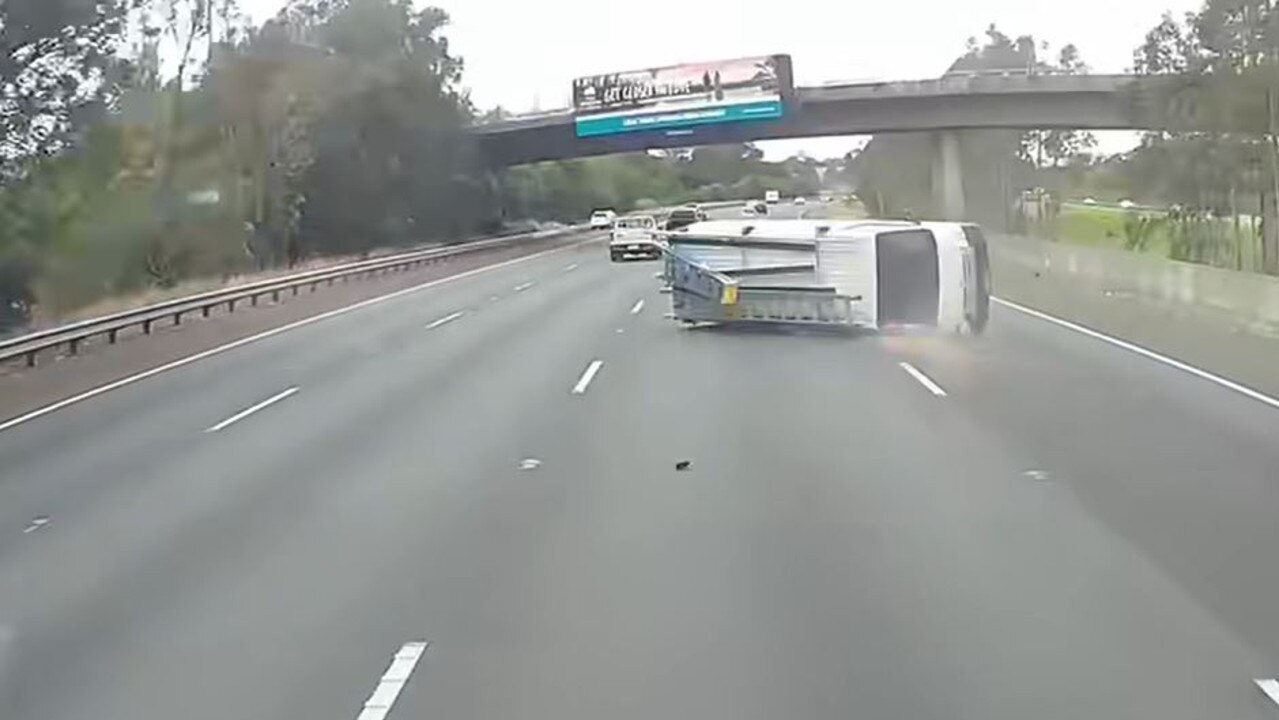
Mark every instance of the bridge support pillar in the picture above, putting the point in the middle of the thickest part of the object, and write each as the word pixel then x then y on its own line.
pixel 948 176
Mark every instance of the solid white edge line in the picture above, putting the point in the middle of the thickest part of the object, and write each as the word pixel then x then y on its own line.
pixel 639 305
pixel 1149 354
pixel 1270 687
pixel 116 384
pixel 388 689
pixel 252 409
pixel 587 376
pixel 446 319
pixel 923 379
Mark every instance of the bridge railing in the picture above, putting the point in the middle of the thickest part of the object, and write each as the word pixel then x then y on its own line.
pixel 529 115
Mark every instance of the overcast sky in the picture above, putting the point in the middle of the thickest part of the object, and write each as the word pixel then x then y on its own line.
pixel 525 54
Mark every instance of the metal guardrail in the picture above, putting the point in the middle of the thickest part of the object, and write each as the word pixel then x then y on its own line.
pixel 73 334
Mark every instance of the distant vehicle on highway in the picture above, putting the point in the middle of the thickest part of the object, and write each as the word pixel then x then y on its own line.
pixel 682 217
pixel 748 210
pixel 1127 204
pixel 772 197
pixel 634 236
pixel 799 200
pixel 602 219
pixel 1090 201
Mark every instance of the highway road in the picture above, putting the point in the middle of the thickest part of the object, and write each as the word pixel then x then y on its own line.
pixel 482 479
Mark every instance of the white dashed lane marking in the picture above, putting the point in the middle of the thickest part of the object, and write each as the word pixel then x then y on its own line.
pixel 587 376
pixel 923 379
pixel 446 320
pixel 379 704
pixel 1270 687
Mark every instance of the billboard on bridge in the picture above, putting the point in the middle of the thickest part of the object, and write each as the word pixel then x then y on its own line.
pixel 678 98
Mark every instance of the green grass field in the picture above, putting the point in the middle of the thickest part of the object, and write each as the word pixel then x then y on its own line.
pixel 1105 227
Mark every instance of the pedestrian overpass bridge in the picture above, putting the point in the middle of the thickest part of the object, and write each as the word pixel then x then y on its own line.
pixel 944 106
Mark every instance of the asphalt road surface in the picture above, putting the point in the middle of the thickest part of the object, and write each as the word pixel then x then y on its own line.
pixel 1033 524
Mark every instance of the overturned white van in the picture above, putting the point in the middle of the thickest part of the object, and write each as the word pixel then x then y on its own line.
pixel 872 274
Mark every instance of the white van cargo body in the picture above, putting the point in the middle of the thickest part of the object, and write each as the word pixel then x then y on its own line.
pixel 871 274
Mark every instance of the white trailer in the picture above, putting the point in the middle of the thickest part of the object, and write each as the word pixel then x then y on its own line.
pixel 871 274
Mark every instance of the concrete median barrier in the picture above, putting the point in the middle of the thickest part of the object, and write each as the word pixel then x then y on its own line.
pixel 1224 321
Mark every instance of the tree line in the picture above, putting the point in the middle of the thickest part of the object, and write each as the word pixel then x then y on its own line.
pixel 1212 87
pixel 894 173
pixel 148 142
pixel 570 189
pixel 1217 93
pixel 151 141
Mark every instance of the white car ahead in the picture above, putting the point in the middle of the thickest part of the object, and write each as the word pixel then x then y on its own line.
pixel 634 236
pixel 602 219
